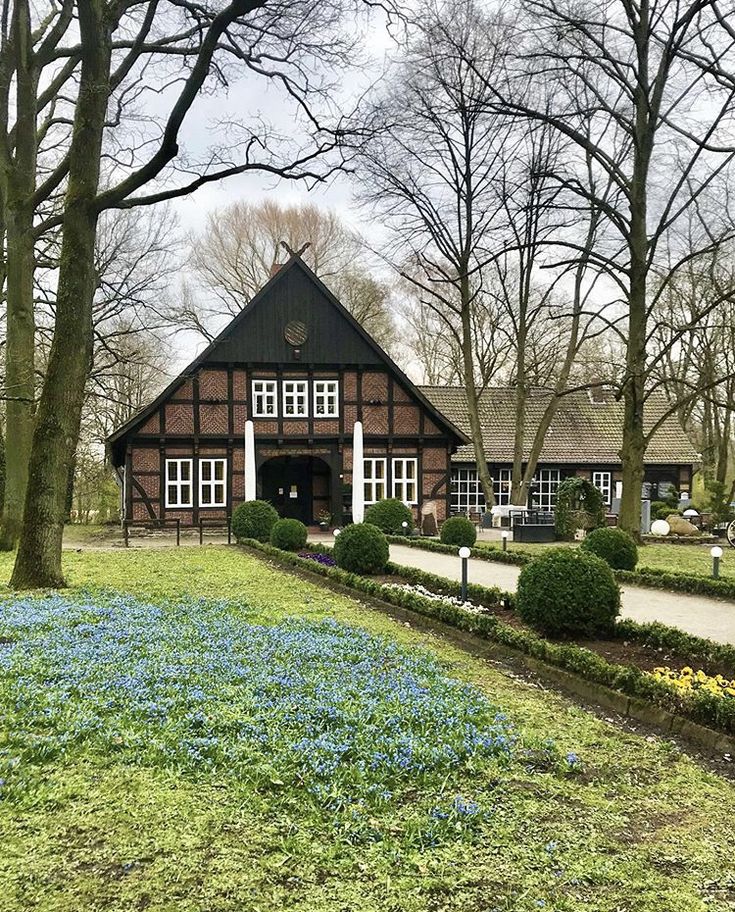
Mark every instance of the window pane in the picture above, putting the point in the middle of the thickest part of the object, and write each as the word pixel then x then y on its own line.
pixel 172 495
pixel 185 470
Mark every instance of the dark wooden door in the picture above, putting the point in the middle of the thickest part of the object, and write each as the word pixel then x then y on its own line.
pixel 287 484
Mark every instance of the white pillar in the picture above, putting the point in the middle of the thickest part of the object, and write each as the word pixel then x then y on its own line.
pixel 358 477
pixel 250 488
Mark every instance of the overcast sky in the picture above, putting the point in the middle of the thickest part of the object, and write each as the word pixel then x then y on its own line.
pixel 250 100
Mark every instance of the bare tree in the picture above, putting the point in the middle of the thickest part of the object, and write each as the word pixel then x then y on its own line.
pixel 234 256
pixel 117 48
pixel 29 86
pixel 629 87
pixel 694 359
pixel 430 170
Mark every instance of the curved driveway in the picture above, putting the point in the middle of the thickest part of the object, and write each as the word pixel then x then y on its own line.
pixel 706 617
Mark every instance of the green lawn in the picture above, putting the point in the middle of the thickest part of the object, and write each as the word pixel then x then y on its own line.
pixel 131 812
pixel 694 559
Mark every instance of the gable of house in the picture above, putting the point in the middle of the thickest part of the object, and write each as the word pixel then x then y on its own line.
pixel 297 365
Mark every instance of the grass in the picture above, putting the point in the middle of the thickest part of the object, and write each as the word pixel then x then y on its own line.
pixel 117 806
pixel 694 559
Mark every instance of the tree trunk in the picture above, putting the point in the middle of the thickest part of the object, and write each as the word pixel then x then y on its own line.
pixel 38 563
pixel 634 439
pixel 2 471
pixel 20 263
pixel 723 449
pixel 633 449
pixel 562 381
pixel 519 493
pixel 486 482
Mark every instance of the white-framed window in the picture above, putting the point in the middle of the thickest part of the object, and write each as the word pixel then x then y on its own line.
pixel 405 480
pixel 548 482
pixel 179 483
pixel 502 484
pixel 603 481
pixel 326 398
pixel 466 492
pixel 375 481
pixel 295 398
pixel 212 482
pixel 265 399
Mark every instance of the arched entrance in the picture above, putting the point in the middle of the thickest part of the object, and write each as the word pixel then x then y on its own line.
pixel 298 486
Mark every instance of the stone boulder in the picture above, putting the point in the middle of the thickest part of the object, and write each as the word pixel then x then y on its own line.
pixel 681 526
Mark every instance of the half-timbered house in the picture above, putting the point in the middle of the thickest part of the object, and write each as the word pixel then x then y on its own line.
pixel 294 372
pixel 298 366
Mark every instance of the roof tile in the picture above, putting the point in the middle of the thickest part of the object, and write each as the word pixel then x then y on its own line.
pixel 582 431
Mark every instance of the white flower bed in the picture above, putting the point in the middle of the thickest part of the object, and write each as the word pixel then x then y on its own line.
pixel 435 597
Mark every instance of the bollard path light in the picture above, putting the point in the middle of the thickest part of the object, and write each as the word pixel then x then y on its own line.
pixel 504 535
pixel 464 554
pixel 405 527
pixel 716 553
pixel 336 532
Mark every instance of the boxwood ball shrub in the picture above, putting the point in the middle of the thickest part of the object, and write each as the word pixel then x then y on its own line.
pixel 568 592
pixel 288 535
pixel 254 519
pixel 615 546
pixel 361 548
pixel 389 516
pixel 459 531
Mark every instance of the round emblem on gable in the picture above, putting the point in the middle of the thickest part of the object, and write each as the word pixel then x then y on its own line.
pixel 296 333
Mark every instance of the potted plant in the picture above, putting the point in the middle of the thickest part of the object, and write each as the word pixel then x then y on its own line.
pixel 325 518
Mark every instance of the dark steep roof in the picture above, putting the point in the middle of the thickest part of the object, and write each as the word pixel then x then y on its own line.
pixel 583 431
pixel 255 335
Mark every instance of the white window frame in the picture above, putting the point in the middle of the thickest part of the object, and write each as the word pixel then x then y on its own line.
pixel 405 484
pixel 372 481
pixel 295 393
pixel 603 481
pixel 264 392
pixel 466 491
pixel 548 484
pixel 327 398
pixel 213 482
pixel 178 483
pixel 502 484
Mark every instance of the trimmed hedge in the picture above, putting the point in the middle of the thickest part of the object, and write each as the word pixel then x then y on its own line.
pixel 458 532
pixel 289 535
pixel 705 709
pixel 494 555
pixel 254 519
pixel 568 592
pixel 667 580
pixel 614 546
pixel 361 548
pixel 678 582
pixel 389 515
